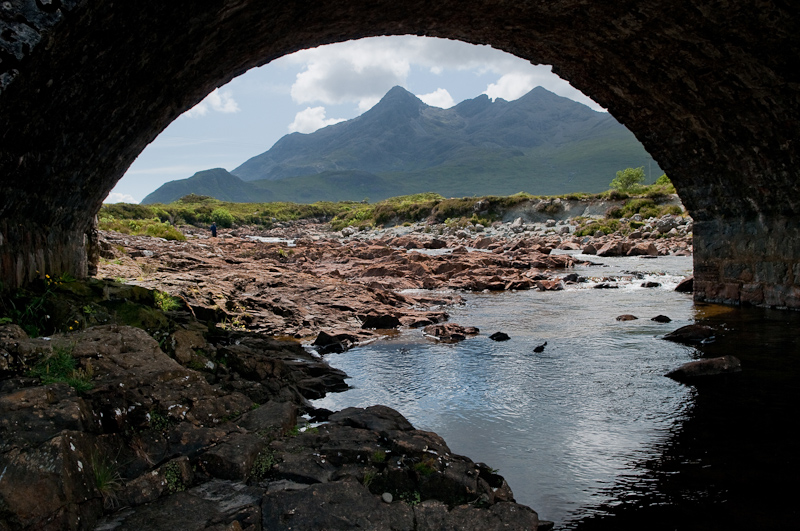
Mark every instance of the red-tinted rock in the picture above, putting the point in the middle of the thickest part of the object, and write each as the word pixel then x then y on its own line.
pixel 450 332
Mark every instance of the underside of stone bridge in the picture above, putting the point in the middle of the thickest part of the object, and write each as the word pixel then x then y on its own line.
pixel 710 87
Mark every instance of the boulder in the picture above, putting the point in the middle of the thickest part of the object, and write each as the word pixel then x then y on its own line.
pixel 661 319
pixel 706 367
pixel 612 248
pixel 691 334
pixel 627 317
pixel 336 341
pixel 550 285
pixel 272 417
pixel 382 321
pixel 643 249
pixel 499 336
pixel 233 458
pixel 685 286
pixel 381 419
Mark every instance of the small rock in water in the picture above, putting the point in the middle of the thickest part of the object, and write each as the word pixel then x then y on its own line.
pixel 651 284
pixel 626 317
pixel 499 336
pixel 661 319
pixel 387 497
pixel 605 285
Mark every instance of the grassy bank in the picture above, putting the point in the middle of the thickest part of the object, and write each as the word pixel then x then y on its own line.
pixel 160 219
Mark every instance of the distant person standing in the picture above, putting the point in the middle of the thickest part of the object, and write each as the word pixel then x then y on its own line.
pixel 213 229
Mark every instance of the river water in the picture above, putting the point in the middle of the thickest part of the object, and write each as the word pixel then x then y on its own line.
pixel 589 432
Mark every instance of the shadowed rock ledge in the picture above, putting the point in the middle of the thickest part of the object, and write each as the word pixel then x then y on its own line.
pixel 133 438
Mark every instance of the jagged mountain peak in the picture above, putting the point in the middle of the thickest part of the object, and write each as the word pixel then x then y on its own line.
pixel 402 145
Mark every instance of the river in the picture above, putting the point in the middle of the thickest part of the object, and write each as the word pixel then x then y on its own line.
pixel 589 432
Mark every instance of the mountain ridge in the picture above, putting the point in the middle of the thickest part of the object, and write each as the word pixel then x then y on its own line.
pixel 540 143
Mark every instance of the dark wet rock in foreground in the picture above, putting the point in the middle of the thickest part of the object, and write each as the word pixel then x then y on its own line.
pixel 691 334
pixel 705 368
pixel 213 443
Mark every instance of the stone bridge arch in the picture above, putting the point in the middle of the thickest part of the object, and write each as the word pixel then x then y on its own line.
pixel 710 87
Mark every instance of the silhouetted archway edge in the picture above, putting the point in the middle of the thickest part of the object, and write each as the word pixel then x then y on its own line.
pixel 709 87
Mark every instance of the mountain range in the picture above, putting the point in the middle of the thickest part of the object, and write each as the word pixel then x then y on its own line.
pixel 541 143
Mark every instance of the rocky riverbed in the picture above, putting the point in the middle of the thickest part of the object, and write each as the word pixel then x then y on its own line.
pixel 300 279
pixel 196 416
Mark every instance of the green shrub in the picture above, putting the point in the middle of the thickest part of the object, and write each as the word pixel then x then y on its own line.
pixel 164 230
pixel 628 179
pixel 174 477
pixel 262 464
pixel 606 226
pixel 223 217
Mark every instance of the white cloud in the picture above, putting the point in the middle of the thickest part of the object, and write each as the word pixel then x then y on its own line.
pixel 511 86
pixel 218 101
pixel 116 197
pixel 311 119
pixel 438 98
pixel 362 71
pixel 352 72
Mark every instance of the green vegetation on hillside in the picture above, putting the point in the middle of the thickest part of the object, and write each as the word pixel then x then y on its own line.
pixel 159 219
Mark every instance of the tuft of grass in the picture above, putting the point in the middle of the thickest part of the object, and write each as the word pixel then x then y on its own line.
pixel 379 456
pixel 424 468
pixel 107 479
pixel 369 477
pixel 61 366
pixel 166 302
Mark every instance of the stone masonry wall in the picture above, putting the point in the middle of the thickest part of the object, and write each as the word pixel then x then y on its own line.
pixel 29 251
pixel 709 87
pixel 748 262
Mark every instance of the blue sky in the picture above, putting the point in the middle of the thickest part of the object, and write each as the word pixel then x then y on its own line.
pixel 313 88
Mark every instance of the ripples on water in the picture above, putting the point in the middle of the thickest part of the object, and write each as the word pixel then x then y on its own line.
pixel 568 428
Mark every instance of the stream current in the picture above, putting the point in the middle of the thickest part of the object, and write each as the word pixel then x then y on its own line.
pixel 589 432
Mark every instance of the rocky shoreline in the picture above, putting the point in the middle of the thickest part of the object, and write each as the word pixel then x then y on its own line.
pixel 197 415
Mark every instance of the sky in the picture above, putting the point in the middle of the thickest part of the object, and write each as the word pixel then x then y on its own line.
pixel 311 89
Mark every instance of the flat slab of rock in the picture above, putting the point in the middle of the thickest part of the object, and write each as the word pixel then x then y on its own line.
pixel 450 332
pixel 340 505
pixel 708 367
pixel 216 503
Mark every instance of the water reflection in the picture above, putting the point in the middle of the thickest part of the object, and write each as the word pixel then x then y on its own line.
pixel 589 432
